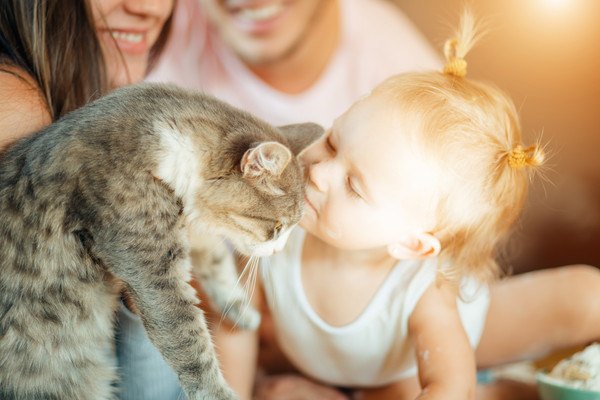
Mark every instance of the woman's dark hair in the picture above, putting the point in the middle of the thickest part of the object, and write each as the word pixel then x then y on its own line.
pixel 161 42
pixel 55 42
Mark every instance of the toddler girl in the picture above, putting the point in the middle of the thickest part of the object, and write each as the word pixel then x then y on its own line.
pixel 391 282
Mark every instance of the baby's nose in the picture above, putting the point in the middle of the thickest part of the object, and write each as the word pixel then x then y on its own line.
pixel 318 174
pixel 315 177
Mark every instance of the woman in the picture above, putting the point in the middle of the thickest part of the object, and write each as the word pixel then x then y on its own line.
pixel 57 55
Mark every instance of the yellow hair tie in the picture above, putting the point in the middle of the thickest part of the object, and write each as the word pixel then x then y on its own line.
pixel 455 65
pixel 519 157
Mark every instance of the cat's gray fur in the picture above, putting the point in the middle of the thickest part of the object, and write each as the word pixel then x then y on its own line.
pixel 103 197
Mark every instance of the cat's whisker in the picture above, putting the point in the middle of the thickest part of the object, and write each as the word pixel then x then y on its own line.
pixel 252 279
pixel 249 271
pixel 249 268
pixel 246 270
pixel 230 303
pixel 270 281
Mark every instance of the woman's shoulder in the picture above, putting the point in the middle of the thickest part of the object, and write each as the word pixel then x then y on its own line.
pixel 23 109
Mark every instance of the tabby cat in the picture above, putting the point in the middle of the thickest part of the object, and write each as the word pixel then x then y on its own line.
pixel 104 197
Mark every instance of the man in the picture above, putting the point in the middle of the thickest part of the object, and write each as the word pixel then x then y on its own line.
pixel 285 61
pixel 291 60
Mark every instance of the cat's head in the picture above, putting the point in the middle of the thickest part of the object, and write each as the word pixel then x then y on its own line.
pixel 257 199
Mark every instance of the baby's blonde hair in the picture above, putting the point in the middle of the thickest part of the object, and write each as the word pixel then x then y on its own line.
pixel 471 131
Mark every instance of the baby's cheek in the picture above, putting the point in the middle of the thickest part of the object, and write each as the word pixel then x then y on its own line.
pixel 332 224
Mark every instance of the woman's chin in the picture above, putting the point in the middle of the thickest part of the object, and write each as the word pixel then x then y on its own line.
pixel 124 77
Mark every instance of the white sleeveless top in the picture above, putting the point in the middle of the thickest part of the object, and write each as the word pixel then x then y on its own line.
pixel 373 350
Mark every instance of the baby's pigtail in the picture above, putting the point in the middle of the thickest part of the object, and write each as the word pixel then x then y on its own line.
pixel 520 157
pixel 456 48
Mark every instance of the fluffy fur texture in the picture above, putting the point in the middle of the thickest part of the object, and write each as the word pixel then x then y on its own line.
pixel 105 197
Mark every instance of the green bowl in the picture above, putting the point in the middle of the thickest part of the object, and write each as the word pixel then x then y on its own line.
pixel 552 389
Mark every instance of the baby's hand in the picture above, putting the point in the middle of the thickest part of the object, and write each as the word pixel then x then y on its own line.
pixel 295 387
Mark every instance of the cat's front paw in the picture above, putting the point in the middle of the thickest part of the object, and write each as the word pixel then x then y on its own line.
pixel 242 315
pixel 224 393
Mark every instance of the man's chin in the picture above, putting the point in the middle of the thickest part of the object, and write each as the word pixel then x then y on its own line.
pixel 259 59
pixel 260 52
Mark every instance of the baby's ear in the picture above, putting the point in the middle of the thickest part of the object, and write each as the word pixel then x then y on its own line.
pixel 415 246
pixel 267 157
pixel 300 136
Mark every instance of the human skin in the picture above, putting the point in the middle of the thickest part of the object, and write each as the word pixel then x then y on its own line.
pixel 22 108
pixel 127 30
pixel 521 301
pixel 286 43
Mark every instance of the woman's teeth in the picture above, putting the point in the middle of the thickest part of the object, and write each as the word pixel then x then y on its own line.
pixel 261 13
pixel 126 36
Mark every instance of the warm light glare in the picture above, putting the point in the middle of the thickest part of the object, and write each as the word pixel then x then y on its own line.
pixel 562 12
pixel 557 4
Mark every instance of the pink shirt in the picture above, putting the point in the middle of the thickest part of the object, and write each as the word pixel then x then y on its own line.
pixel 377 41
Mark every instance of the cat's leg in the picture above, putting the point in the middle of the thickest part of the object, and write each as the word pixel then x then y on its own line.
pixel 155 274
pixel 214 265
pixel 143 371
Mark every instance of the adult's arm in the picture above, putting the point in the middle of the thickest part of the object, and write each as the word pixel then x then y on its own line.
pixel 22 107
pixel 237 349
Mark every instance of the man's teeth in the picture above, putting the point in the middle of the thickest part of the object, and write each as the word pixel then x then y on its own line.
pixel 262 13
pixel 130 37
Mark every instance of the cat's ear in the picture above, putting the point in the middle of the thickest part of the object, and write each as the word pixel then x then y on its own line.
pixel 300 136
pixel 267 157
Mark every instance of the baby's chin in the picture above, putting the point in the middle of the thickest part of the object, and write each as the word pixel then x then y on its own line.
pixel 306 224
pixel 324 234
pixel 310 225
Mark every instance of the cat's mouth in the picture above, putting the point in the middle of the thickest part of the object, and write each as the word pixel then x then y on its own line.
pixel 249 249
pixel 258 250
pixel 265 249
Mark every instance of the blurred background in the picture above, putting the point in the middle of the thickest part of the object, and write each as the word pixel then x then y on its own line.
pixel 546 55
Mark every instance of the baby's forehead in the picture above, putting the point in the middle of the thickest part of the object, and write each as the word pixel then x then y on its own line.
pixel 374 113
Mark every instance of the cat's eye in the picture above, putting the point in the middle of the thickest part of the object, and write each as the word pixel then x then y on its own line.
pixel 277 229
